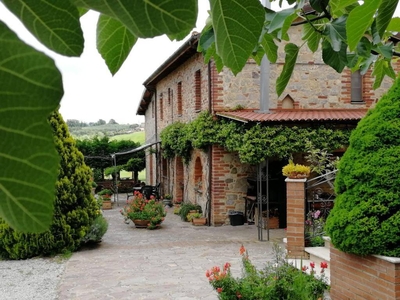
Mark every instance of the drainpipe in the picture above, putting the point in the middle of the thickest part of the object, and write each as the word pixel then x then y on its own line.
pixel 158 148
pixel 264 77
pixel 211 146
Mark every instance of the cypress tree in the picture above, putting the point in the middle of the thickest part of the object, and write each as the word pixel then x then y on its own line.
pixel 366 216
pixel 74 206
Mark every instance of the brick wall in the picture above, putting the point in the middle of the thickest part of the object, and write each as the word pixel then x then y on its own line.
pixel 228 184
pixel 368 278
pixel 295 194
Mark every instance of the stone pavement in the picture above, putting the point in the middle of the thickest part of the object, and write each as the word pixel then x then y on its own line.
pixel 167 263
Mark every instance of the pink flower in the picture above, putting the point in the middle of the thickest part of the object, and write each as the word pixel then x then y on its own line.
pixel 219 290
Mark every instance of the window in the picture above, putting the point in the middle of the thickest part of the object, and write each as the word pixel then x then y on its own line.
pixel 179 92
pixel 197 89
pixel 169 96
pixel 356 87
pixel 161 107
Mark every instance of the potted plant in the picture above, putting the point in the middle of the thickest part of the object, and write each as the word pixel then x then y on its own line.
pixel 197 219
pixel 296 171
pixel 105 197
pixel 167 200
pixel 186 208
pixel 144 213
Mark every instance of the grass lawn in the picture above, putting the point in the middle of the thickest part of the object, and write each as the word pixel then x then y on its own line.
pixel 138 137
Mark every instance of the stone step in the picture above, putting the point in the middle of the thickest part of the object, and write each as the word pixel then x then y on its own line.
pixel 318 254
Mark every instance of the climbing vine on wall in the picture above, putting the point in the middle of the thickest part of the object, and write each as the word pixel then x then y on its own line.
pixel 253 144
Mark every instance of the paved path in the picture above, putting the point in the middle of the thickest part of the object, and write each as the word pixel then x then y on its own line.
pixel 167 263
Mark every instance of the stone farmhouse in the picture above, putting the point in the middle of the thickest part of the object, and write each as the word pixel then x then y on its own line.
pixel 184 86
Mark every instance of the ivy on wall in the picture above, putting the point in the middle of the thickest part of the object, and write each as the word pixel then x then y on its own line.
pixel 253 144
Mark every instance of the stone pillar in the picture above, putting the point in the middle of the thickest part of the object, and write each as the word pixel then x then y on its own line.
pixel 295 191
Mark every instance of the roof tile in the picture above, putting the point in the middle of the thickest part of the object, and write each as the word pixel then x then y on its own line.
pixel 296 115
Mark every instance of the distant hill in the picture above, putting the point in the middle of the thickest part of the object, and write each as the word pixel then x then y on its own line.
pixel 138 137
pixel 110 130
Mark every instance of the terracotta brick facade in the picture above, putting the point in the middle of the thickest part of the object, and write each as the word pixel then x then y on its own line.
pixel 368 278
pixel 295 211
pixel 313 85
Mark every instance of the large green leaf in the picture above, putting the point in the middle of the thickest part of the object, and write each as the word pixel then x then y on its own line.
pixel 359 21
pixel 385 14
pixel 311 36
pixel 270 48
pixel 319 5
pixel 394 25
pixel 335 32
pixel 30 89
pixel 292 52
pixel 54 23
pixel 338 6
pixel 336 59
pixel 382 67
pixel 114 42
pixel 237 27
pixel 278 18
pixel 149 18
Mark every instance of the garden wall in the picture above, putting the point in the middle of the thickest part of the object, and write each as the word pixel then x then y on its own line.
pixel 371 277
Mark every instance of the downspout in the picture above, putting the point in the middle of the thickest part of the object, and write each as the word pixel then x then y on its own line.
pixel 158 147
pixel 264 76
pixel 211 146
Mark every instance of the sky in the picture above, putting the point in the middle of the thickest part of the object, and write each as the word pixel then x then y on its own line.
pixel 90 91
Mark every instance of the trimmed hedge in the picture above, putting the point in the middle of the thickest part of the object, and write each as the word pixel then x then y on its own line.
pixel 75 208
pixel 366 216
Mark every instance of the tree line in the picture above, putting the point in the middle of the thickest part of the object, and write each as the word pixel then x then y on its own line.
pixel 98 150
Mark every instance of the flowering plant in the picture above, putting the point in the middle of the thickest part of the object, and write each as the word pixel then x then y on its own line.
pixel 315 228
pixel 139 208
pixel 278 280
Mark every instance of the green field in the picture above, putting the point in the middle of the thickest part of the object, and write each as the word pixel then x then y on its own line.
pixel 138 137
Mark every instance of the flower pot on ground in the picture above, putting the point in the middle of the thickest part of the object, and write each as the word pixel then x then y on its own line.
pixel 106 202
pixel 144 213
pixel 167 200
pixel 186 207
pixel 197 219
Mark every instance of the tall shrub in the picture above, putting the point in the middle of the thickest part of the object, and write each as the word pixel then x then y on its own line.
pixel 366 216
pixel 74 206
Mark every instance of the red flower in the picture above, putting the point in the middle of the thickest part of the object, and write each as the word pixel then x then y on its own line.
pixel 227 266
pixel 312 264
pixel 208 273
pixel 242 250
pixel 219 290
pixel 304 268
pixel 324 265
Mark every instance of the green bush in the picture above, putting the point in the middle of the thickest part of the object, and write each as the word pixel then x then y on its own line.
pixel 366 216
pixel 186 207
pixel 97 230
pixel 74 206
